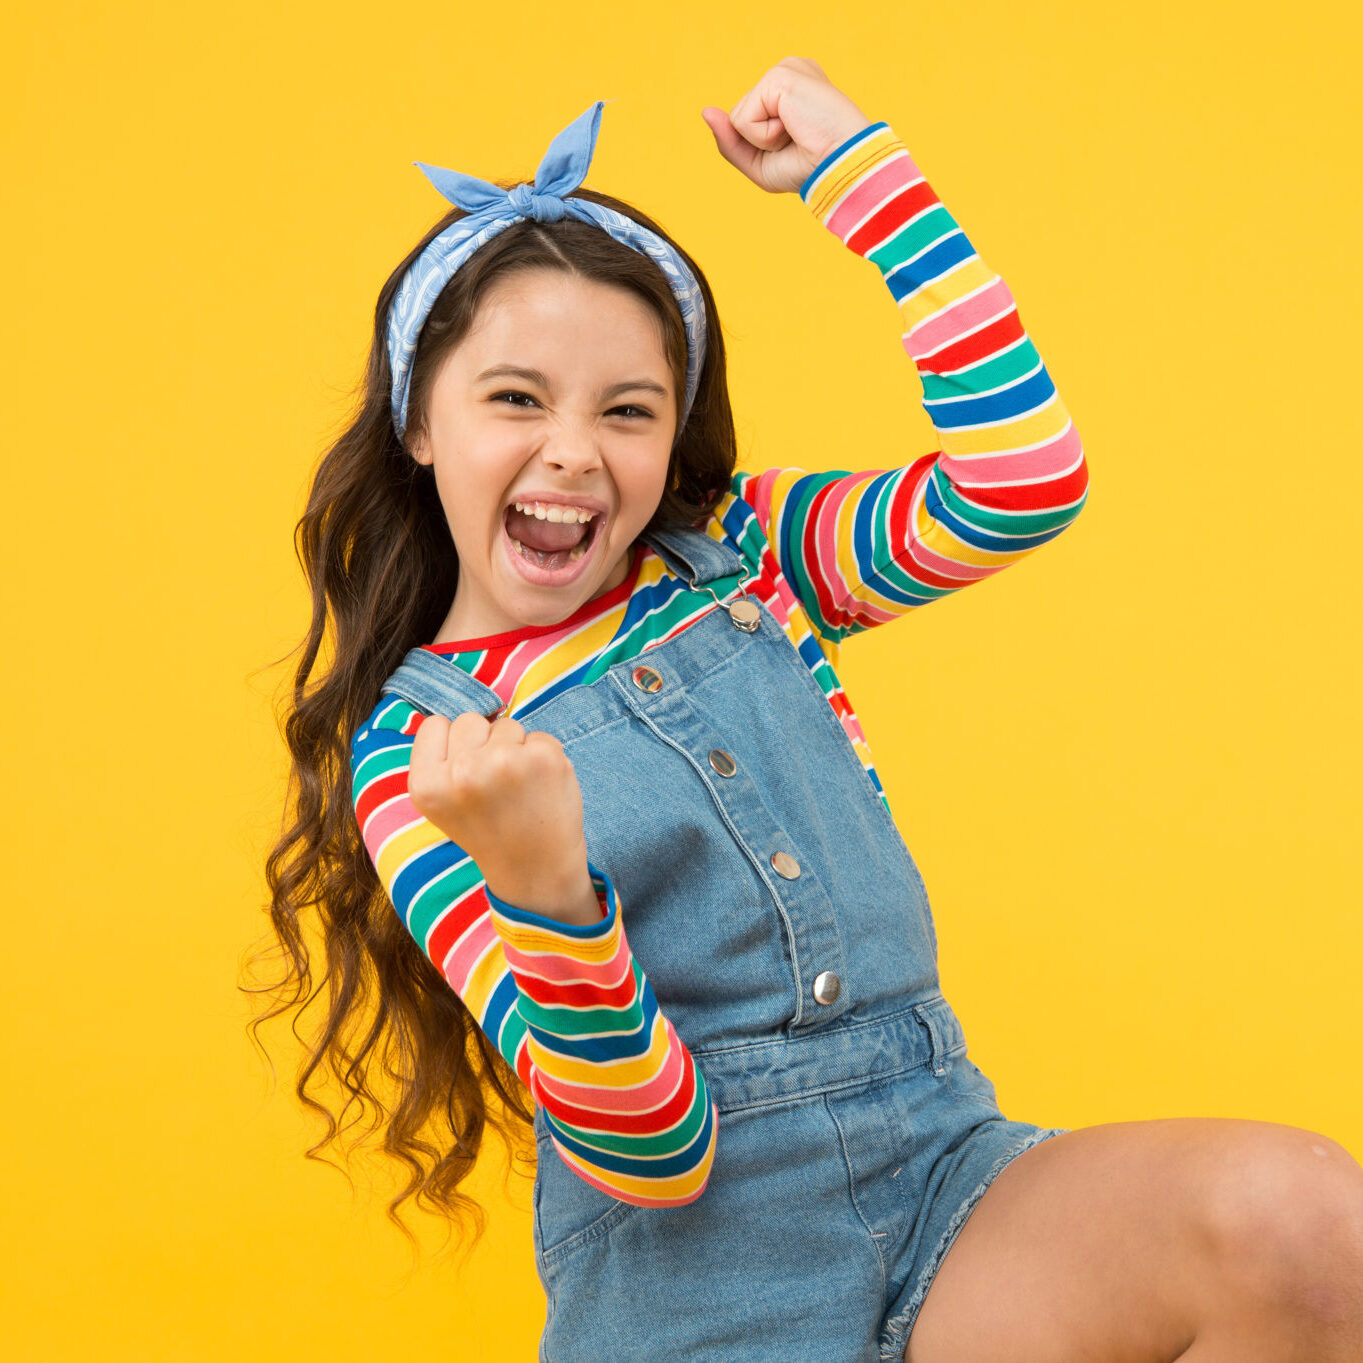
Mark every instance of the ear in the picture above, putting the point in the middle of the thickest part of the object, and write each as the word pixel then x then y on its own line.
pixel 419 447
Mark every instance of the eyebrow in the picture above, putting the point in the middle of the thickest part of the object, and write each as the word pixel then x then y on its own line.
pixel 512 371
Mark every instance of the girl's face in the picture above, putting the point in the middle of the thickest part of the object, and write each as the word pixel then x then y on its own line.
pixel 521 458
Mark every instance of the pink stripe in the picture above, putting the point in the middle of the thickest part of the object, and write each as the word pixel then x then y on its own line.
pixel 953 321
pixel 469 950
pixel 826 536
pixel 918 552
pixel 652 1093
pixel 854 609
pixel 757 493
pixel 1050 460
pixel 519 660
pixel 864 199
pixel 393 817
pixel 638 1199
pixel 853 727
pixel 555 964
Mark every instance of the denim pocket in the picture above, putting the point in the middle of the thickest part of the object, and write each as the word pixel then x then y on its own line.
pixel 569 1212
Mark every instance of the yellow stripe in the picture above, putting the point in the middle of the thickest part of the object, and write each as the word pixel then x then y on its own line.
pixel 839 179
pixel 680 1185
pixel 530 939
pixel 402 847
pixel 487 974
pixel 624 1074
pixel 968 277
pixel 941 541
pixel 547 668
pixel 1035 429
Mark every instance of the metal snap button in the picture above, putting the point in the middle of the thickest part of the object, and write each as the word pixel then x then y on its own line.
pixel 646 679
pixel 785 865
pixel 827 987
pixel 722 762
pixel 745 615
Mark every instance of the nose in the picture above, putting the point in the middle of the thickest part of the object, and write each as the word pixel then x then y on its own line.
pixel 572 453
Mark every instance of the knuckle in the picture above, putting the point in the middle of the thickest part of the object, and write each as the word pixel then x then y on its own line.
pixel 468 725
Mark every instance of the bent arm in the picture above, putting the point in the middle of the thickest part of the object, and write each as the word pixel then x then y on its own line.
pixel 861 548
pixel 567 1006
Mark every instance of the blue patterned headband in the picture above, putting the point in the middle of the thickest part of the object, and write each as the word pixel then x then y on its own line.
pixel 490 209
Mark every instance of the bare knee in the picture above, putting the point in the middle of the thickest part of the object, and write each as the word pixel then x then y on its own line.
pixel 1283 1219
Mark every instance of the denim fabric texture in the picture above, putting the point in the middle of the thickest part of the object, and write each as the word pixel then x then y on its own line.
pixel 854 1136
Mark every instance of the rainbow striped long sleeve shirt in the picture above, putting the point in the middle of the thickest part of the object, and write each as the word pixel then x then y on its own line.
pixel 829 554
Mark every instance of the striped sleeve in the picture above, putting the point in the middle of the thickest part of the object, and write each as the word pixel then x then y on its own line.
pixel 861 548
pixel 566 1005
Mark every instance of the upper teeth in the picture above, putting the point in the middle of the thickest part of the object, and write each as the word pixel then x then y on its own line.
pixel 552 511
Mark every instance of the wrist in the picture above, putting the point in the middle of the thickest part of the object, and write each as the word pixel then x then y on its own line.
pixel 569 899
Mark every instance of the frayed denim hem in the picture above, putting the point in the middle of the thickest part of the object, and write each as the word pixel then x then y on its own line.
pixel 895 1337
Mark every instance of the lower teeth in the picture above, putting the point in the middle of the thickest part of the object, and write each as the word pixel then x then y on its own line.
pixel 538 555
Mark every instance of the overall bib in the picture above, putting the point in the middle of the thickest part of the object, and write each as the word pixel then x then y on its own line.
pixel 771 901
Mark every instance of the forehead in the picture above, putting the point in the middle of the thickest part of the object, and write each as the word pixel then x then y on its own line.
pixel 543 314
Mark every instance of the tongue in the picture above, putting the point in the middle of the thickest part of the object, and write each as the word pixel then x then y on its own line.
pixel 545 536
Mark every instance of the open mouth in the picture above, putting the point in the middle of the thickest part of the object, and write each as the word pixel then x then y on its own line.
pixel 550 544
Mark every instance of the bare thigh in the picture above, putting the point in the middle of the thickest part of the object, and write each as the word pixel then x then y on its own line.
pixel 1122 1241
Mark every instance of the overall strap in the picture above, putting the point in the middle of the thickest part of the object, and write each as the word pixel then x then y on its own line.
pixel 692 554
pixel 435 684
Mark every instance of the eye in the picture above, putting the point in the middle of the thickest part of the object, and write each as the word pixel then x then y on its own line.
pixel 627 407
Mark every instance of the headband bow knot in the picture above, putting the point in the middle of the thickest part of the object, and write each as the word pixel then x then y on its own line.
pixel 489 209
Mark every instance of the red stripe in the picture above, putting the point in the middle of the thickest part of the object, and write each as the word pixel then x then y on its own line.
pixel 455 923
pixel 1054 492
pixel 378 792
pixel 624 1122
pixel 553 993
pixel 979 345
pixel 901 531
pixel 808 553
pixel 892 215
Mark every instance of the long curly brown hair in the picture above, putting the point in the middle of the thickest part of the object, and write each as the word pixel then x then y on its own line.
pixel 397 1051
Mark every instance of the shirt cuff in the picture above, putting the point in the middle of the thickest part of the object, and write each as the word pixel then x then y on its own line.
pixel 605 897
pixel 838 152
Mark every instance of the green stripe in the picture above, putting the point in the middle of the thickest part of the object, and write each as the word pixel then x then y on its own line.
pixel 1019 359
pixel 379 763
pixel 562 1020
pixel 1002 522
pixel 437 896
pixel 513 1030
pixel 663 1143
pixel 796 515
pixel 935 223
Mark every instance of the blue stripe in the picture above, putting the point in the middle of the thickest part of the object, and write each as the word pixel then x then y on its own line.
pixel 420 871
pixel 632 1045
pixel 863 521
pixel 972 534
pixel 837 153
pixel 680 1163
pixel 932 264
pixel 501 1004
pixel 1024 396
pixel 578 931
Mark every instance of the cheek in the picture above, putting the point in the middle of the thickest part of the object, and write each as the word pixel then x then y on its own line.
pixel 645 488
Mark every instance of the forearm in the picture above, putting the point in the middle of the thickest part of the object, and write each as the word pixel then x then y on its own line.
pixel 1010 473
pixel 624 1100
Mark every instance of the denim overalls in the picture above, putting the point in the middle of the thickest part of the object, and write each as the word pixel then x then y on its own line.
pixel 770 899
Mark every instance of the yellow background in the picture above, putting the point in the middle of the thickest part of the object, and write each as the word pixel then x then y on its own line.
pixel 1127 766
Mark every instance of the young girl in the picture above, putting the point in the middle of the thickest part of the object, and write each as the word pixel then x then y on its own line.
pixel 602 768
